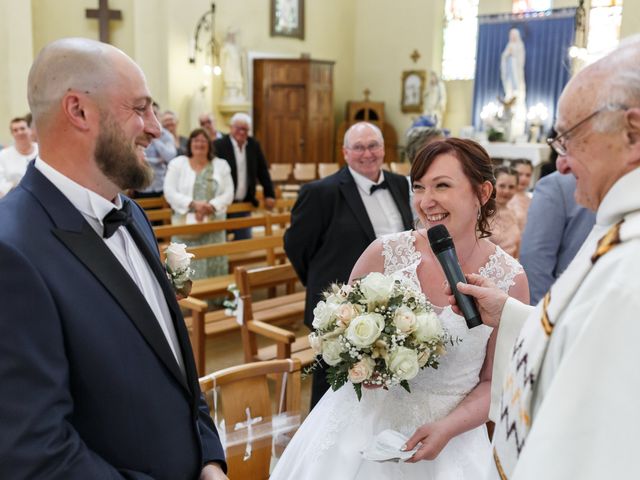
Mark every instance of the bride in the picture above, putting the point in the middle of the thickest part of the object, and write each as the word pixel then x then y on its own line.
pixel 445 413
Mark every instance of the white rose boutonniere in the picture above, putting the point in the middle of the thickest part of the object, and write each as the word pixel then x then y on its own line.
pixel 177 263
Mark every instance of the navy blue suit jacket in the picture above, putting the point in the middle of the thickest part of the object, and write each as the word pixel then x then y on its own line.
pixel 90 387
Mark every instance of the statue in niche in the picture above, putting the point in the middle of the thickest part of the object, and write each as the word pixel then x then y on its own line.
pixel 435 99
pixel 231 62
pixel 512 75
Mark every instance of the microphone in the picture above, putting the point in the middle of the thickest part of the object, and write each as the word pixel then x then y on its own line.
pixel 445 252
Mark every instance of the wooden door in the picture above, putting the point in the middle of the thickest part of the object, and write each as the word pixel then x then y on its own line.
pixel 285 115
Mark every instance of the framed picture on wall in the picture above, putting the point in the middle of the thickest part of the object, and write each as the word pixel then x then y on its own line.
pixel 413 82
pixel 287 18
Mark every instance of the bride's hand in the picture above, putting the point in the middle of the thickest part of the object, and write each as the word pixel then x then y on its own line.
pixel 432 437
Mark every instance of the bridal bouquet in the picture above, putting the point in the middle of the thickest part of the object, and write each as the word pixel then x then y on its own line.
pixel 380 330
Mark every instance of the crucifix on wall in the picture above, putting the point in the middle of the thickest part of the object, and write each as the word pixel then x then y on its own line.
pixel 103 14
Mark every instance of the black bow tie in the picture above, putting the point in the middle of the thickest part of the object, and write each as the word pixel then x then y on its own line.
pixel 116 218
pixel 384 185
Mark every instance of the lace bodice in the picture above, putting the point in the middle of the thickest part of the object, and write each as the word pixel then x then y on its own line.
pixel 434 393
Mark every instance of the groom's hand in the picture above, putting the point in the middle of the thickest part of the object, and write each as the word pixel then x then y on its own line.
pixel 430 438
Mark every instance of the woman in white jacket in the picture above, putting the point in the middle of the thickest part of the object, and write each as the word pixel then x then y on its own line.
pixel 199 188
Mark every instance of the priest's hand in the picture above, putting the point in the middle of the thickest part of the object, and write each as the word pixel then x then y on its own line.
pixel 489 298
pixel 212 471
pixel 430 438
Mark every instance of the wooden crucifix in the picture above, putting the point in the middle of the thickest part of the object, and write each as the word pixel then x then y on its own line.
pixel 103 15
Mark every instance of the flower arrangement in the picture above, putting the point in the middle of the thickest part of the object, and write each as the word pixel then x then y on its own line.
pixel 177 264
pixel 379 330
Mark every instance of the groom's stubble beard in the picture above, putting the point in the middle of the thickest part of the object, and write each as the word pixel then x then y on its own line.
pixel 117 159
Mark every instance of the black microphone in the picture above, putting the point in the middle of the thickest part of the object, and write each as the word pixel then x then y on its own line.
pixel 445 252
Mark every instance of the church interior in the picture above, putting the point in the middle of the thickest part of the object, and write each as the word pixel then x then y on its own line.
pixel 304 71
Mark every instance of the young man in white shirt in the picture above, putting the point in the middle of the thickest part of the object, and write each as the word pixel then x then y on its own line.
pixel 14 159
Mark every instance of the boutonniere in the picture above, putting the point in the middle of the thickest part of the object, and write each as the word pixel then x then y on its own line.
pixel 177 264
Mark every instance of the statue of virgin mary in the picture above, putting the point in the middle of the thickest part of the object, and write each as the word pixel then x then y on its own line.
pixel 512 76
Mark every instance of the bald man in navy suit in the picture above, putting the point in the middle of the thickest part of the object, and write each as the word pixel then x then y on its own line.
pixel 97 375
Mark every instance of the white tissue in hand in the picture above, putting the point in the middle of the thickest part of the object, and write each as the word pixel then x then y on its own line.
pixel 386 446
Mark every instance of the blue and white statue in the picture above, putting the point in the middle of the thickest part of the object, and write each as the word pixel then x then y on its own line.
pixel 513 83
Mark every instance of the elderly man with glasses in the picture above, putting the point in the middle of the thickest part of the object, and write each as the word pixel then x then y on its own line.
pixel 566 370
pixel 335 219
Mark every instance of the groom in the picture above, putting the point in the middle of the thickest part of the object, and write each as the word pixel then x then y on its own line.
pixel 97 373
pixel 565 397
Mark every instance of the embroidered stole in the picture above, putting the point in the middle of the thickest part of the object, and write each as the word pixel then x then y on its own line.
pixel 514 419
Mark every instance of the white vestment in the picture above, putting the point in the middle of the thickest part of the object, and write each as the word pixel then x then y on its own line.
pixel 584 407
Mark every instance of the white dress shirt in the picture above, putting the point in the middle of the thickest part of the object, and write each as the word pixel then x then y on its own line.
pixel 13 166
pixel 241 166
pixel 380 206
pixel 93 208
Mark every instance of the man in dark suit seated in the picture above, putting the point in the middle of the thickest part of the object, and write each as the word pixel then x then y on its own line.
pixel 248 165
pixel 97 371
pixel 335 219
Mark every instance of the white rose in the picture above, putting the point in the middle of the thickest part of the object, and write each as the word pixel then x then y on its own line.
pixel 323 315
pixel 315 342
pixel 423 357
pixel 403 362
pixel 365 329
pixel 345 313
pixel 377 287
pixel 334 299
pixel 345 290
pixel 177 256
pixel 405 320
pixel 428 327
pixel 362 370
pixel 331 350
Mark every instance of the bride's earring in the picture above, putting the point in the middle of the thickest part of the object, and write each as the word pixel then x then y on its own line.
pixel 416 224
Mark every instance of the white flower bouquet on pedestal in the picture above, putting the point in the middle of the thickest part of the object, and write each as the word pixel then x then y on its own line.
pixel 379 331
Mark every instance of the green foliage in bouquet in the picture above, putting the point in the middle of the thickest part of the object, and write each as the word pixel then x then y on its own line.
pixel 379 331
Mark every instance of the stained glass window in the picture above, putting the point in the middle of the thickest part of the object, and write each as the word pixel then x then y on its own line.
pixel 524 6
pixel 460 39
pixel 605 17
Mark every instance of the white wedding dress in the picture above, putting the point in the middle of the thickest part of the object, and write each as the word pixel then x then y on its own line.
pixel 328 444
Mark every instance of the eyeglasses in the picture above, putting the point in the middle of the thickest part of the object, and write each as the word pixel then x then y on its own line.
pixel 559 143
pixel 360 149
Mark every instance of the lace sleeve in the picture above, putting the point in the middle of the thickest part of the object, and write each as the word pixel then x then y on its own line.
pixel 501 269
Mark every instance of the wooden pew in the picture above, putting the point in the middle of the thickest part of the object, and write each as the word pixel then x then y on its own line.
pixel 253 323
pixel 160 215
pixel 165 232
pixel 268 221
pixel 153 202
pixel 205 323
pixel 216 286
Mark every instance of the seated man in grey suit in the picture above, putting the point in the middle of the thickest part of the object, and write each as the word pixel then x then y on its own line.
pixel 556 228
